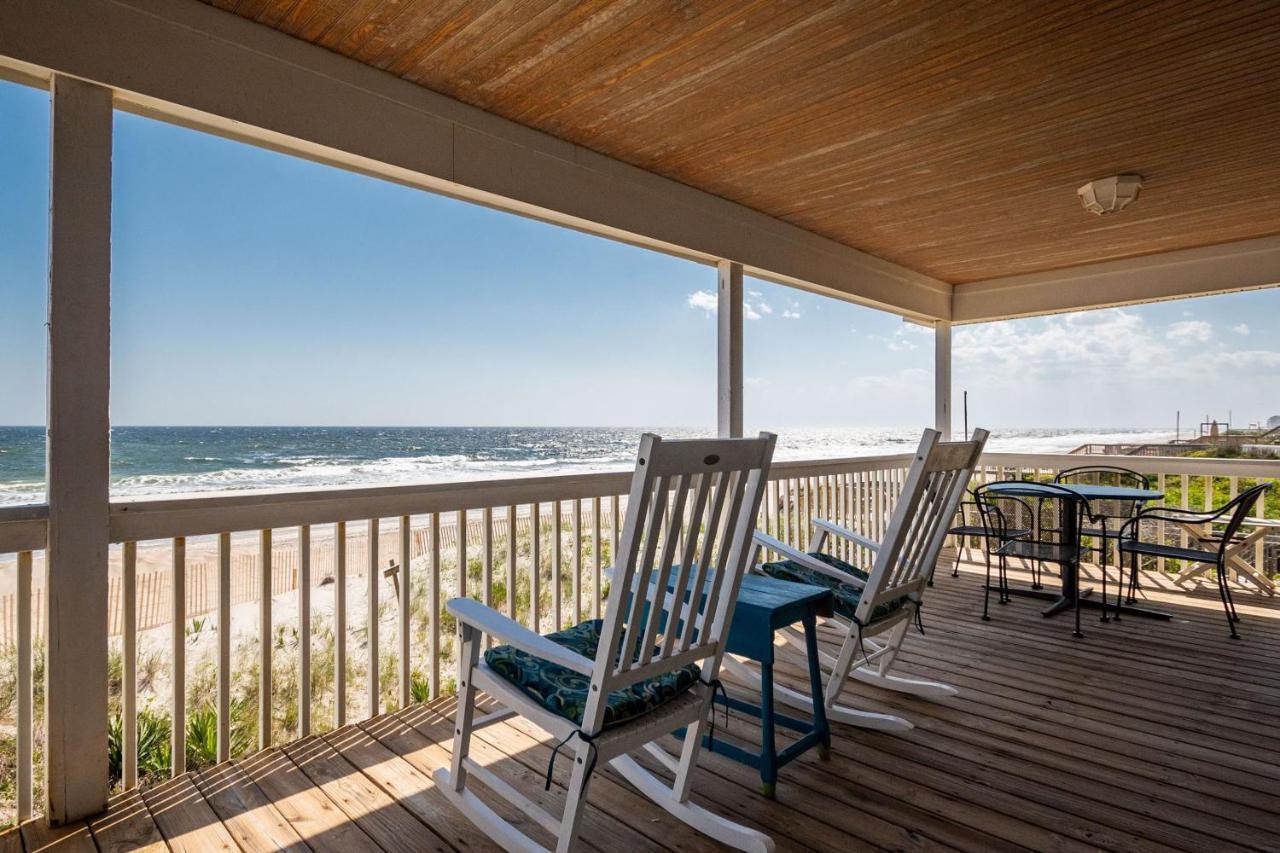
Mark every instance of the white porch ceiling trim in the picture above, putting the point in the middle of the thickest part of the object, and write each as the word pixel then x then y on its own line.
pixel 186 62
pixel 1244 265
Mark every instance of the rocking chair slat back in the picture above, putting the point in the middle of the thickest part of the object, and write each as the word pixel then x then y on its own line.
pixel 689 541
pixel 702 569
pixel 685 545
pixel 930 495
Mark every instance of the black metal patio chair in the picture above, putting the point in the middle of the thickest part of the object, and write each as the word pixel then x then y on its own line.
pixel 1107 517
pixel 1221 526
pixel 1004 514
pixel 970 526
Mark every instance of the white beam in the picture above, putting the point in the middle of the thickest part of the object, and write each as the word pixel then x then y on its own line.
pixel 1244 265
pixel 78 449
pixel 729 350
pixel 187 62
pixel 942 378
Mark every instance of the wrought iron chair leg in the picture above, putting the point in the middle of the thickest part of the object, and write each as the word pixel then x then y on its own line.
pixel 1103 565
pixel 1005 597
pixel 1226 604
pixel 1075 567
pixel 986 590
pixel 1119 584
pixel 1133 579
pixel 1231 599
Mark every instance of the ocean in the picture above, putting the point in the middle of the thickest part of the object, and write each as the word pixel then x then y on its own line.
pixel 178 460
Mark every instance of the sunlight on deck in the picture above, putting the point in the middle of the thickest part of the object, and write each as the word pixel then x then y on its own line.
pixel 1144 735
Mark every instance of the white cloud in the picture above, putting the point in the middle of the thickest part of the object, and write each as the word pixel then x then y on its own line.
pixel 1110 343
pixel 754 307
pixel 1118 367
pixel 1190 332
pixel 901 340
pixel 791 312
pixel 1113 339
pixel 1241 329
pixel 703 300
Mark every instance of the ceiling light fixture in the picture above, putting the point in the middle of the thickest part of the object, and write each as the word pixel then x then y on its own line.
pixel 1110 195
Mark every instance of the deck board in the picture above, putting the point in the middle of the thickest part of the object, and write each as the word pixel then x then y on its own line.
pixel 391 827
pixel 311 813
pixel 127 825
pixel 72 838
pixel 254 823
pixel 1143 736
pixel 185 818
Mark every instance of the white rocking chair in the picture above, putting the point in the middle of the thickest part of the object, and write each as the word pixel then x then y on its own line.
pixel 607 688
pixel 876 609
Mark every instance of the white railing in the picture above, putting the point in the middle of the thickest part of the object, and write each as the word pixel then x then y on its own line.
pixel 22 533
pixel 347 585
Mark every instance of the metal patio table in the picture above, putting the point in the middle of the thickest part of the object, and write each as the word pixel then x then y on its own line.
pixel 1070 533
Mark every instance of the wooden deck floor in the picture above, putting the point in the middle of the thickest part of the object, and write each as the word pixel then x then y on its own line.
pixel 1142 736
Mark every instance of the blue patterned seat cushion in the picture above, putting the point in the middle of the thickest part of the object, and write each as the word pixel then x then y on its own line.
pixel 847 595
pixel 564 692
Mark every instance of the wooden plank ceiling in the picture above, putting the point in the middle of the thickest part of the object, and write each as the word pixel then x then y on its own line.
pixel 948 137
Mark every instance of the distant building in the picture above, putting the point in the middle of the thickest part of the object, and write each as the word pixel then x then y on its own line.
pixel 1273 422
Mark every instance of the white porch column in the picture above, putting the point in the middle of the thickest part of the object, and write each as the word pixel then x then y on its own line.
pixel 729 350
pixel 942 378
pixel 78 449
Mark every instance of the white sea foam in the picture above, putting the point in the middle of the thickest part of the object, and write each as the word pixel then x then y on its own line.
pixel 303 470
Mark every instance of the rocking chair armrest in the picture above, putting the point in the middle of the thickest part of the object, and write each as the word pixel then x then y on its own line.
pixel 798 556
pixel 486 620
pixel 845 533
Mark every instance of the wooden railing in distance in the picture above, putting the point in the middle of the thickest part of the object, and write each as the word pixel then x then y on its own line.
pixel 308 564
pixel 22 533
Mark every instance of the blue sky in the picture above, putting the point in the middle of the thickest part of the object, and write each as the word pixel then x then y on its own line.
pixel 254 288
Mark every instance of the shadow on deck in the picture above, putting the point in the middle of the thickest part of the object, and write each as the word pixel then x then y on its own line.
pixel 1143 735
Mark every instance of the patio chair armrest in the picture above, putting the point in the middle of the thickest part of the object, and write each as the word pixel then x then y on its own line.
pixel 488 621
pixel 1171 513
pixel 845 533
pixel 1177 515
pixel 809 562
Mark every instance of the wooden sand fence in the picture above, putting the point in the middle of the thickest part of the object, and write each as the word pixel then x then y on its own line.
pixel 155 588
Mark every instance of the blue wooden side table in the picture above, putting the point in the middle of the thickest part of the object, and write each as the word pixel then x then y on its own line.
pixel 766 605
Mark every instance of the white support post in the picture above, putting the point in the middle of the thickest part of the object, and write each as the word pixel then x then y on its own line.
pixel 942 378
pixel 729 350
pixel 79 458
